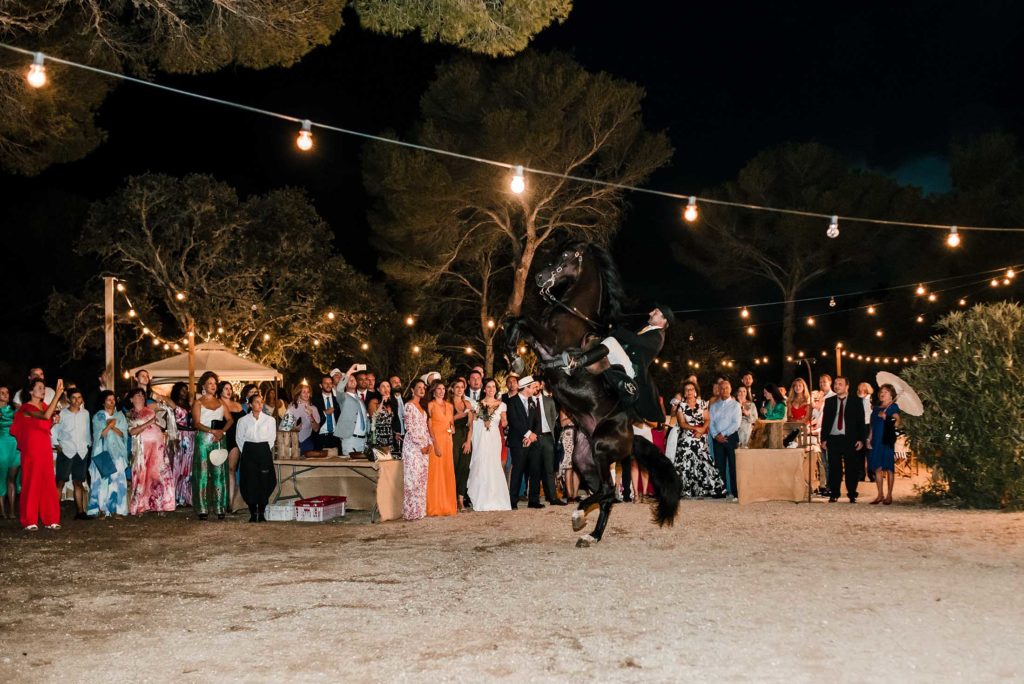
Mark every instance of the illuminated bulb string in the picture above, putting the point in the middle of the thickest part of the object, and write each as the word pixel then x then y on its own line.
pixel 832 218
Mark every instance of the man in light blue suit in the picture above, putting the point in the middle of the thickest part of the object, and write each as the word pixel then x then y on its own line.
pixel 353 424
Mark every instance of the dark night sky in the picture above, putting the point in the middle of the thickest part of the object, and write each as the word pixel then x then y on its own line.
pixel 888 84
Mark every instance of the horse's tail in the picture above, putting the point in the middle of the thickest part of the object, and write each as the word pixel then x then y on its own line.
pixel 664 478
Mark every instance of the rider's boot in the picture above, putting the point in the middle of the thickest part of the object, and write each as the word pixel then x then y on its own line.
pixel 615 375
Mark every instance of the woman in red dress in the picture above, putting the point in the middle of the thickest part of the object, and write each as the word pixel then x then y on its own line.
pixel 31 427
pixel 799 402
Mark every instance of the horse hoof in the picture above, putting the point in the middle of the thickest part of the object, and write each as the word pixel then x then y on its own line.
pixel 579 520
pixel 585 542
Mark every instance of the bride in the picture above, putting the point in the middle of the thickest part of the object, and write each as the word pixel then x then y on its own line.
pixel 486 486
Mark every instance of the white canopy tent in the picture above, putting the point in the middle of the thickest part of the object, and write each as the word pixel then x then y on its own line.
pixel 209 356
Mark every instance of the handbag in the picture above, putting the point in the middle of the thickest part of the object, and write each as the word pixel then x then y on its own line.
pixel 218 456
pixel 104 463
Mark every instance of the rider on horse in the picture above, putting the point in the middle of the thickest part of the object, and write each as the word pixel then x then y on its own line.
pixel 629 357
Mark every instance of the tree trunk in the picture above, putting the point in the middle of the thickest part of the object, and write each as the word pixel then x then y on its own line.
pixel 489 356
pixel 515 300
pixel 788 331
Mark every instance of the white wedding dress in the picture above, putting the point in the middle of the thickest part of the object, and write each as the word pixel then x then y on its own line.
pixel 486 486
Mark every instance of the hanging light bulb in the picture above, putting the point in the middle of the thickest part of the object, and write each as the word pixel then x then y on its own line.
pixel 522 350
pixel 871 310
pixel 304 141
pixel 156 342
pixel 920 290
pixel 180 296
pixel 690 213
pixel 744 313
pixel 220 331
pixel 410 321
pixel 963 302
pixel 994 282
pixel 120 287
pixel 469 350
pixel 518 184
pixel 126 375
pixel 832 302
pixel 490 324
pixel 833 228
pixel 810 321
pixel 416 349
pixel 691 337
pixel 764 360
pixel 1011 274
pixel 757 362
pixel 176 346
pixel 145 330
pixel 131 313
pixel 1006 281
pixel 920 319
pixel 750 330
pixel 166 346
pixel 330 315
pixel 36 76
pixel 316 343
pixel 879 332
pixel 365 346
pixel 953 240
pixel 933 297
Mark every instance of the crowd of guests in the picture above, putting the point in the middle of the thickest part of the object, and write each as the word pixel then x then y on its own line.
pixel 464 444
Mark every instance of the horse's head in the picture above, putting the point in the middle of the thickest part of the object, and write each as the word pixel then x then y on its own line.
pixel 566 268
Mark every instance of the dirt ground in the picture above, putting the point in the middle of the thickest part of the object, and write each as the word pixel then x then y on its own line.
pixel 766 592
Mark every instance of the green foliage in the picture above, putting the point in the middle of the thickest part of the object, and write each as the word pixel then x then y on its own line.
pixel 253 267
pixel 452 232
pixel 483 26
pixel 972 431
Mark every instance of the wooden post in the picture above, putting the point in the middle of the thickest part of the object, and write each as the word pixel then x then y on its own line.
pixel 191 357
pixel 108 330
pixel 839 361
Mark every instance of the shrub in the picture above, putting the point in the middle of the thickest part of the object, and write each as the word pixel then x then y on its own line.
pixel 972 431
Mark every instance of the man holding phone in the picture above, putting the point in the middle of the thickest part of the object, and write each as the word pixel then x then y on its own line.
pixel 353 423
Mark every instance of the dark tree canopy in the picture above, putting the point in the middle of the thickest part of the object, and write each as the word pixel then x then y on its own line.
pixel 254 267
pixel 453 231
pixel 196 36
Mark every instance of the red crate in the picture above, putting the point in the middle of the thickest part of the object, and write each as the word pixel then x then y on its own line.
pixel 320 508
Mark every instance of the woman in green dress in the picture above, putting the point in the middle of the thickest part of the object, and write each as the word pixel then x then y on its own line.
pixel 774 407
pixel 10 459
pixel 211 421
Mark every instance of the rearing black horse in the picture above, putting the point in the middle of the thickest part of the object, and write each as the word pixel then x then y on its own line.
pixel 584 295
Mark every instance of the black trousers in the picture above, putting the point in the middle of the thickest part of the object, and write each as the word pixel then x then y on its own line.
pixel 327 441
pixel 518 455
pixel 256 477
pixel 725 461
pixel 842 455
pixel 544 462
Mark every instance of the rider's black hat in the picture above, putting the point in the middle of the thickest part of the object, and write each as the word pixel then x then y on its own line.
pixel 666 311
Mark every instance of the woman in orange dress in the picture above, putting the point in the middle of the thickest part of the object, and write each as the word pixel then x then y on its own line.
pixel 441 496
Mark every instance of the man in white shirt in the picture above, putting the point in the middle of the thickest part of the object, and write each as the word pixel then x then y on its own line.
pixel 825 385
pixel 255 436
pixel 864 391
pixel 74 438
pixel 33 374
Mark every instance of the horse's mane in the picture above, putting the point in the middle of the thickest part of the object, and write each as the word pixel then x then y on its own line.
pixel 614 292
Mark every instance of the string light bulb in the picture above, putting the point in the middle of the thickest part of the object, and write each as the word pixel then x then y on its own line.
pixel 266 337
pixel 145 330
pixel 871 310
pixel 833 228
pixel 304 141
pixel 36 76
pixel 490 324
pixel 316 343
pixel 410 321
pixel 1011 274
pixel 416 349
pixel 330 315
pixel 744 313
pixel 810 321
pixel 180 296
pixel 750 330
pixel 365 346
pixel 920 290
pixel 832 302
pixel 518 184
pixel 932 297
pixel 120 287
pixel 963 302
pixel 156 342
pixel 953 239
pixel 131 313
pixel 920 319
pixel 469 350
pixel 690 213
pixel 220 331
pixel 126 375
pixel 1006 281
pixel 994 282
pixel 879 332
pixel 166 347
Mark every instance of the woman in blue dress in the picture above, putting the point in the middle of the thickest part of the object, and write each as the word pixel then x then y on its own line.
pixel 108 493
pixel 10 459
pixel 885 418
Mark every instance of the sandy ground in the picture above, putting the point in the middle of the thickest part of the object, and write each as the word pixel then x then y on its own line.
pixel 767 592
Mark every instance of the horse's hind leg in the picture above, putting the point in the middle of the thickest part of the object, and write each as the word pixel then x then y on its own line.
pixel 612 440
pixel 590 478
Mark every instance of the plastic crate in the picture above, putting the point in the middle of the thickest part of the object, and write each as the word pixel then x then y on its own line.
pixel 280 512
pixel 320 508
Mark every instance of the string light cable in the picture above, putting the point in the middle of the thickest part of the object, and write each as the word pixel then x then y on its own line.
pixel 519 169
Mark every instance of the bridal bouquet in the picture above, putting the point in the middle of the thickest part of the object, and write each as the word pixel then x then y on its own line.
pixel 486 414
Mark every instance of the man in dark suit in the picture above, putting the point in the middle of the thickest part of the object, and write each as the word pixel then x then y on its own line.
pixel 629 357
pixel 519 424
pixel 546 429
pixel 326 401
pixel 843 433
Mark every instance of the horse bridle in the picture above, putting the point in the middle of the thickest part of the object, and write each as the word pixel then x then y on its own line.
pixel 545 290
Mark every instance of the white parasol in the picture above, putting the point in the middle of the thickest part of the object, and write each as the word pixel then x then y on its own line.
pixel 906 397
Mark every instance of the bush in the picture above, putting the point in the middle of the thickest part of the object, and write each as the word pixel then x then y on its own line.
pixel 972 431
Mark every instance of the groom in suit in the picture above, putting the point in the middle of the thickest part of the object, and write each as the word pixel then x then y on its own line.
pixel 520 425
pixel 353 423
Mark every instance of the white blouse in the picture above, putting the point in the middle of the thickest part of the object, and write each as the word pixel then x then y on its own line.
pixel 255 427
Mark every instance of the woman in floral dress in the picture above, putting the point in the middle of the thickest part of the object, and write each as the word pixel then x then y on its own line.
pixel 181 448
pixel 416 454
pixel 108 494
pixel 693 462
pixel 152 474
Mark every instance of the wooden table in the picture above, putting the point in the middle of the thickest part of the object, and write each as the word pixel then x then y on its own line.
pixel 362 467
pixel 771 475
